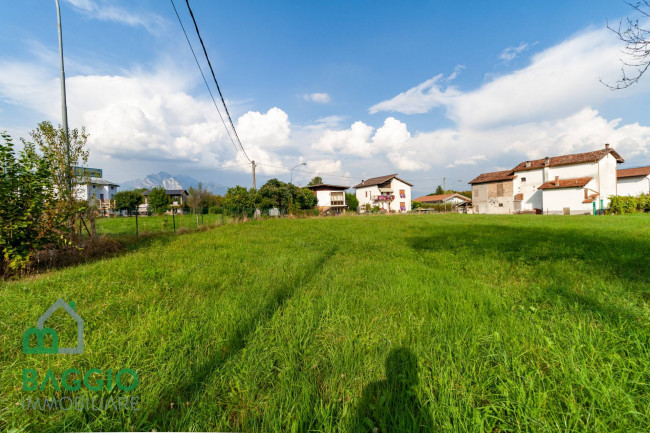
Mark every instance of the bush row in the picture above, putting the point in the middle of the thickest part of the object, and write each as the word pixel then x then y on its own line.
pixel 620 204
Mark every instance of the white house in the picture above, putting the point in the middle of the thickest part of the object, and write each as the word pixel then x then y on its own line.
pixel 331 198
pixel 451 199
pixel 390 193
pixel 634 181
pixel 97 191
pixel 569 184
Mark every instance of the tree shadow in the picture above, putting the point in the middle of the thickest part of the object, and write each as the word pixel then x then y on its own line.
pixel 392 405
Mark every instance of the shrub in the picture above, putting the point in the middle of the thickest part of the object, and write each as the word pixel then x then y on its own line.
pixel 622 204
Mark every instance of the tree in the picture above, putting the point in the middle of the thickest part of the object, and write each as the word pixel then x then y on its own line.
pixel 159 201
pixel 636 39
pixel 439 191
pixel 52 143
pixel 315 181
pixel 128 201
pixel 196 197
pixel 352 200
pixel 27 222
pixel 238 199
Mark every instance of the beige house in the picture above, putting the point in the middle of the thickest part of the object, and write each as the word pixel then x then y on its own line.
pixel 492 193
pixel 388 193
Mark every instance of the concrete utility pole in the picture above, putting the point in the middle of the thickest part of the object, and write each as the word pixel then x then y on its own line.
pixel 64 106
pixel 302 163
pixel 253 165
pixel 444 191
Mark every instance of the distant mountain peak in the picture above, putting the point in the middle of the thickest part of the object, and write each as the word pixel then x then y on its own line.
pixel 170 181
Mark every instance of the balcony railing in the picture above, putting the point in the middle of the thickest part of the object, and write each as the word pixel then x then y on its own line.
pixel 383 197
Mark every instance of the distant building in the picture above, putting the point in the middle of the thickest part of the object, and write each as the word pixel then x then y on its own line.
pixel 453 199
pixel 633 181
pixel 492 193
pixel 389 193
pixel 331 198
pixel 98 192
pixel 178 198
pixel 569 184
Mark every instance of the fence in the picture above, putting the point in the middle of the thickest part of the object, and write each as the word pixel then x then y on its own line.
pixel 139 225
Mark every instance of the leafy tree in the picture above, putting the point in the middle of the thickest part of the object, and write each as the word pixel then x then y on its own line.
pixel 239 198
pixel 52 143
pixel 159 201
pixel 285 196
pixel 315 181
pixel 128 200
pixel 416 205
pixel 196 197
pixel 352 200
pixel 439 191
pixel 27 200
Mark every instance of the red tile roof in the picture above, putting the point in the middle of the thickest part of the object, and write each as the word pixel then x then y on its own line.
pixel 519 197
pixel 633 172
pixel 380 181
pixel 578 182
pixel 495 176
pixel 327 186
pixel 577 158
pixel 440 197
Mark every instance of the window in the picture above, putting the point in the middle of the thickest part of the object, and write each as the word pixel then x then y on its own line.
pixel 499 190
pixel 402 193
pixel 366 193
pixel 523 179
pixel 500 204
pixel 476 193
pixel 402 206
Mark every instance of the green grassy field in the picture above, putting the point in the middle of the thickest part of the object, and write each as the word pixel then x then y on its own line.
pixel 120 226
pixel 461 322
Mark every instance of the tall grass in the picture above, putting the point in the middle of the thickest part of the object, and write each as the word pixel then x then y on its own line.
pixel 399 323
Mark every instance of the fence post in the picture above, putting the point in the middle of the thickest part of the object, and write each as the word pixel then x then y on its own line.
pixel 174 218
pixel 136 224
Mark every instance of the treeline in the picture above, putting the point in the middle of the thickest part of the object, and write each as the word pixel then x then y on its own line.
pixel 274 194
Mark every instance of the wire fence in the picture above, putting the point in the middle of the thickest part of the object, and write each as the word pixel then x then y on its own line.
pixel 171 222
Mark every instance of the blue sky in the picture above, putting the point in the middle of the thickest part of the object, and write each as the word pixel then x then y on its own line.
pixel 355 89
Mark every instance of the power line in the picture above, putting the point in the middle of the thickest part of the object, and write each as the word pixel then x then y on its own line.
pixel 223 101
pixel 204 79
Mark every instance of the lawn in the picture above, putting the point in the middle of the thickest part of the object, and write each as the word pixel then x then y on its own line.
pixel 125 226
pixel 460 322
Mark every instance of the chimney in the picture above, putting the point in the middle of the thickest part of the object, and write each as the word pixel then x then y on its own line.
pixel 586 194
pixel 607 146
pixel 557 180
pixel 527 164
pixel 547 161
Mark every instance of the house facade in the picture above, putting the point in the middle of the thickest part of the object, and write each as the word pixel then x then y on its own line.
pixel 331 198
pixel 569 184
pixel 634 181
pixel 389 193
pixel 178 199
pixel 492 193
pixel 98 192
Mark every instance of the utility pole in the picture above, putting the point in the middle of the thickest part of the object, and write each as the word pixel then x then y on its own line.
pixel 253 164
pixel 64 106
pixel 444 191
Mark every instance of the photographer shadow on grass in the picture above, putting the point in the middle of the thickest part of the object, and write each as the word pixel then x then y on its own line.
pixel 392 405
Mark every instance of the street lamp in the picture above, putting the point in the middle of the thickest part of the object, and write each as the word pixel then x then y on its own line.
pixel 302 163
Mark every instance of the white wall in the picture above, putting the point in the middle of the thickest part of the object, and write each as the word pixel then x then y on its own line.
pixel 529 188
pixel 324 197
pixel 555 200
pixel 608 180
pixel 634 186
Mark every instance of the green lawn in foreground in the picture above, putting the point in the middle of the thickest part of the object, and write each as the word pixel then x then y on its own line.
pixel 466 322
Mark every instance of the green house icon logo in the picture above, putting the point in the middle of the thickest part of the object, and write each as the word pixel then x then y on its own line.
pixel 41 331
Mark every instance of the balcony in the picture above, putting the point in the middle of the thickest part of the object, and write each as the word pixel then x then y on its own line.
pixel 383 197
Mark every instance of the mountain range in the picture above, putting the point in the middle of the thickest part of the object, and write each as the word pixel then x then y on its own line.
pixel 169 181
